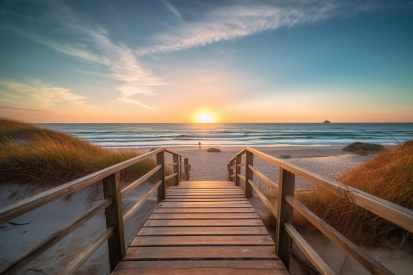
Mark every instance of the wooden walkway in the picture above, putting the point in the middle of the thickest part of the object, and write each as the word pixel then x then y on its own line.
pixel 202 227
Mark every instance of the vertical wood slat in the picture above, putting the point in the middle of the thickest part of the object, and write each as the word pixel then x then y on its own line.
pixel 237 169
pixel 179 169
pixel 249 160
pixel 114 218
pixel 186 167
pixel 176 178
pixel 285 214
pixel 230 170
pixel 160 159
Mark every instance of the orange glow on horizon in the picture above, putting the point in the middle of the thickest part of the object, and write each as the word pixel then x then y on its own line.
pixel 205 118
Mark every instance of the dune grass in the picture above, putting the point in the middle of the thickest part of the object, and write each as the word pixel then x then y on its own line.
pixel 45 157
pixel 389 176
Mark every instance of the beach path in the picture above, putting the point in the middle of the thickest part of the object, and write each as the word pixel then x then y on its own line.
pixel 202 227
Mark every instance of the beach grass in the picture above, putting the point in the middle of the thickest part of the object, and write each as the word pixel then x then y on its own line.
pixel 389 176
pixel 44 157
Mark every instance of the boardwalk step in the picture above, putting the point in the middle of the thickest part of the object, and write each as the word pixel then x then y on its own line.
pixel 241 222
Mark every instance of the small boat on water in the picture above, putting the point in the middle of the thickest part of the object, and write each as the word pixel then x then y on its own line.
pixel 326 121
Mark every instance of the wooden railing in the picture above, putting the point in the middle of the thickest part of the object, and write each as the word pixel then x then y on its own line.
pixel 112 204
pixel 286 203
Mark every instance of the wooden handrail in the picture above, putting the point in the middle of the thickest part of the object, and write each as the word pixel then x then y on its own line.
pixel 359 255
pixel 74 265
pixel 138 205
pixel 171 163
pixel 315 259
pixel 139 181
pixel 112 205
pixel 171 176
pixel 174 153
pixel 399 215
pixel 43 246
pixel 19 208
pixel 394 213
pixel 239 153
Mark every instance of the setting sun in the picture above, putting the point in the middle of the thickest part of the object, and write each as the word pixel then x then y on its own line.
pixel 205 118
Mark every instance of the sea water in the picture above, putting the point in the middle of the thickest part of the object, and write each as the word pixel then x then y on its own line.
pixel 231 134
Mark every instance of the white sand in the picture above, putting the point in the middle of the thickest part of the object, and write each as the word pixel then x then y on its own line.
pixel 326 160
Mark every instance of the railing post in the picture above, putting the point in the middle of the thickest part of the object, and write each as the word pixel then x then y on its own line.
pixel 249 160
pixel 237 169
pixel 285 214
pixel 160 159
pixel 186 167
pixel 230 171
pixel 179 169
pixel 114 217
pixel 176 170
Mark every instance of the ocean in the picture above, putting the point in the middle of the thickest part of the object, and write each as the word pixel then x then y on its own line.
pixel 243 134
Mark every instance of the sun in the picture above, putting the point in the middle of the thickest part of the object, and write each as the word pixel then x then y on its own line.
pixel 205 118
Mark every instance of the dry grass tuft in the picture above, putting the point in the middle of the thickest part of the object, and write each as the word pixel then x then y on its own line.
pixel 389 176
pixel 44 157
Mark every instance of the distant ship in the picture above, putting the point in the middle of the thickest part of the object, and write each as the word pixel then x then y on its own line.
pixel 326 121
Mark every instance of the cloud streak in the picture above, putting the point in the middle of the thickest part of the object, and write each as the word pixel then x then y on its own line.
pixel 87 41
pixel 238 20
pixel 173 10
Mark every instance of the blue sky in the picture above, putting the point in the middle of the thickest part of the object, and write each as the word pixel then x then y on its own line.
pixel 241 61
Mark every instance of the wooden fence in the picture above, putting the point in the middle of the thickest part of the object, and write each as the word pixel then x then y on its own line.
pixel 112 204
pixel 285 232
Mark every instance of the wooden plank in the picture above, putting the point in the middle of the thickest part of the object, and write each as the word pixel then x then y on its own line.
pixel 200 252
pixel 138 182
pixel 114 219
pixel 314 258
pixel 394 213
pixel 187 231
pixel 205 204
pixel 204 200
pixel 204 210
pixel 272 184
pixel 232 222
pixel 229 267
pixel 264 199
pixel 238 169
pixel 186 216
pixel 284 214
pixel 365 260
pixel 176 170
pixel 206 197
pixel 201 240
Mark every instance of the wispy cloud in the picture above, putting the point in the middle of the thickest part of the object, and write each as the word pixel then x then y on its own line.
pixel 22 109
pixel 78 36
pixel 173 10
pixel 48 95
pixel 242 19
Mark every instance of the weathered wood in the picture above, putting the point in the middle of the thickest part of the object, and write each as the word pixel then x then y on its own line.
pixel 176 179
pixel 74 265
pixel 114 219
pixel 370 264
pixel 203 200
pixel 171 176
pixel 205 204
pixel 206 197
pixel 43 246
pixel 142 179
pixel 264 199
pixel 179 169
pixel 394 213
pixel 139 204
pixel 272 184
pixel 238 169
pixel 232 222
pixel 202 267
pixel 239 153
pixel 175 163
pixel 187 216
pixel 248 174
pixel 201 252
pixel 284 214
pixel 204 210
pixel 160 160
pixel 241 176
pixel 315 259
pixel 230 172
pixel 19 208
pixel 204 230
pixel 186 167
pixel 202 240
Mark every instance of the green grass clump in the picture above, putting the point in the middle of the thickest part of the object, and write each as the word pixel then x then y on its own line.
pixel 45 157
pixel 389 176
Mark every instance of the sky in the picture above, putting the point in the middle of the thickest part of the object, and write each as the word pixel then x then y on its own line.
pixel 128 61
